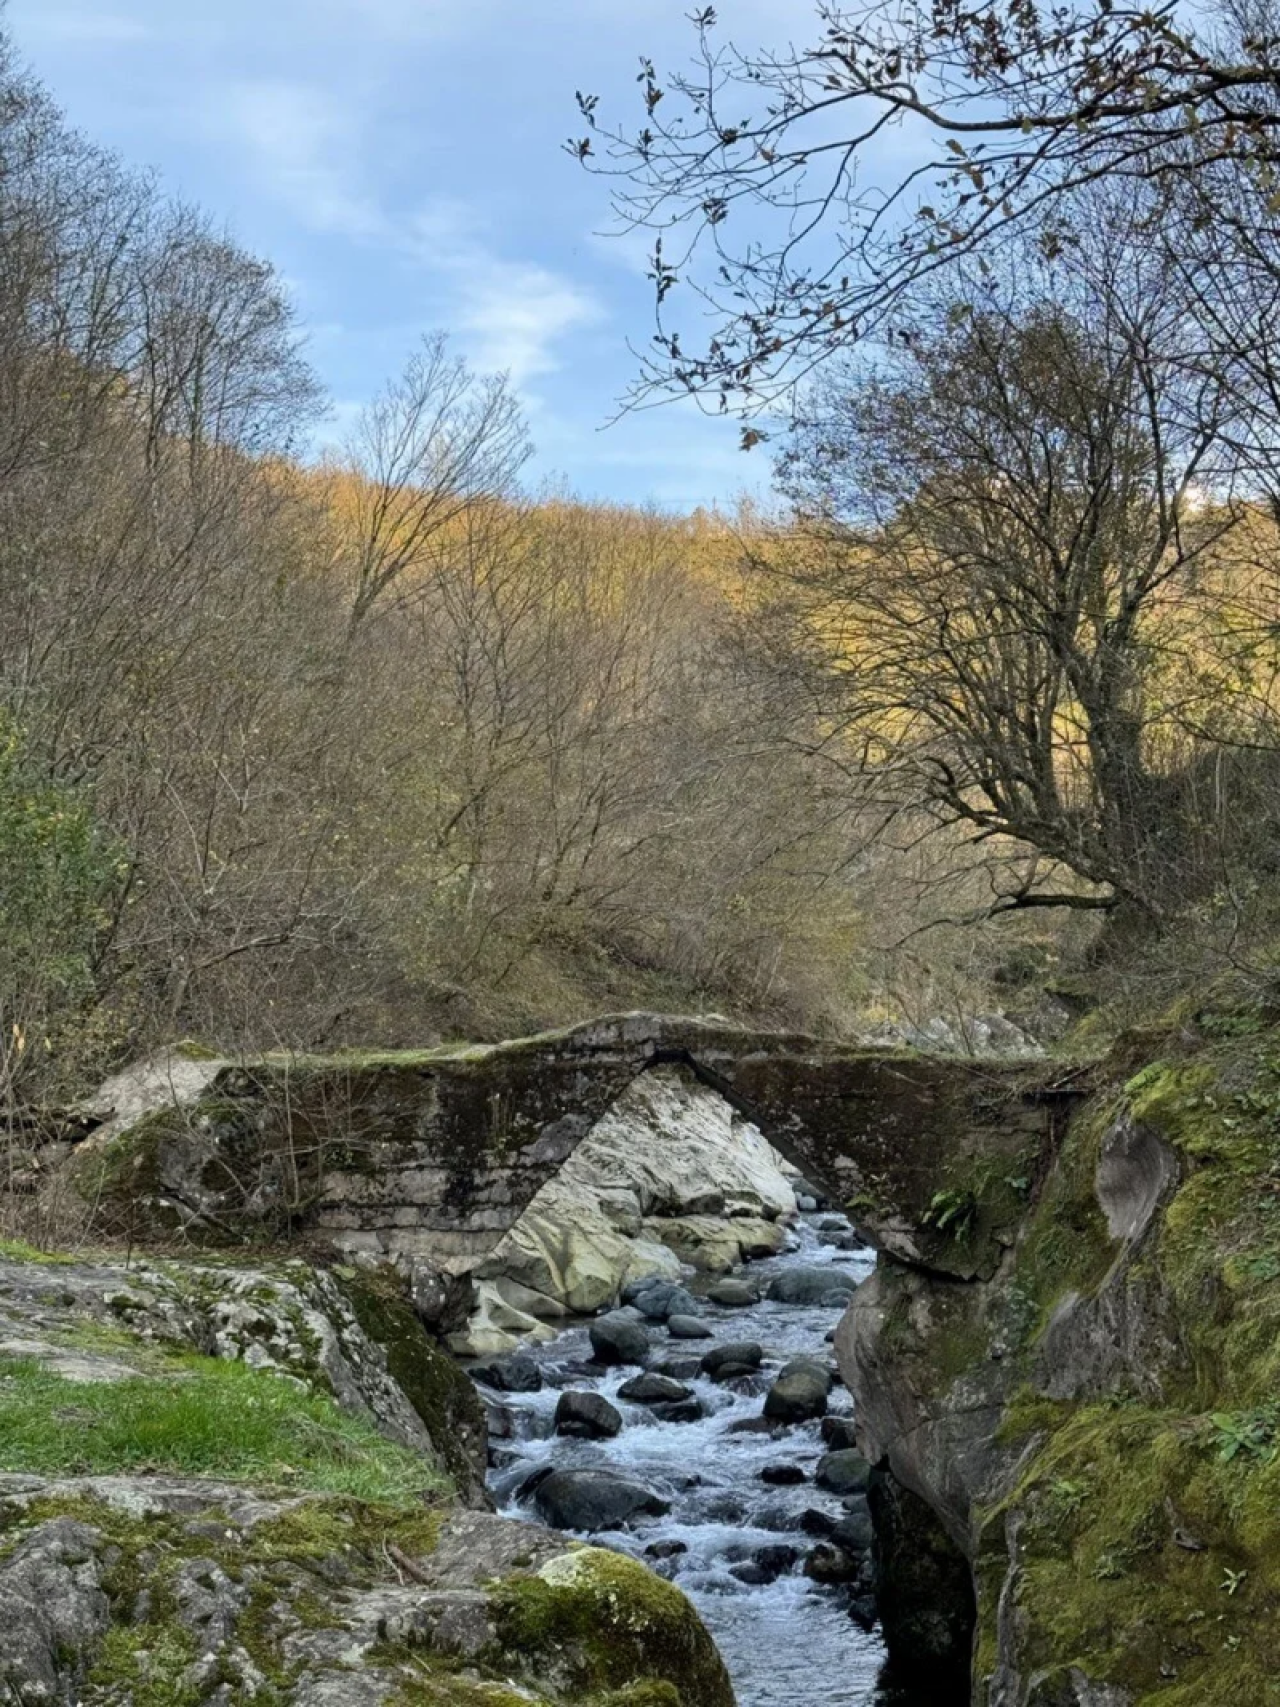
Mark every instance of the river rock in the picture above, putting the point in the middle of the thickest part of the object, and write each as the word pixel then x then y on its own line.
pixel 592 1500
pixel 653 1389
pixel 845 1472
pixel 811 1286
pixel 733 1294
pixel 815 1522
pixel 679 1368
pixel 747 1353
pixel 500 1422
pixel 688 1328
pixel 678 1411
pixel 800 1392
pixel 829 1563
pixel 664 1299
pixel 782 1475
pixel 755 1425
pixel 838 1433
pixel 855 1531
pixel 713 1244
pixel 587 1416
pixel 833 1224
pixel 615 1340
pixel 775 1560
pixel 845 1241
pixel 531 1483
pixel 666 1549
pixel 516 1374
pixel 805 1188
pixel 766 1565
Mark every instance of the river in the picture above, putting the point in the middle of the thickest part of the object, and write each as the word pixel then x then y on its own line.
pixel 786 1643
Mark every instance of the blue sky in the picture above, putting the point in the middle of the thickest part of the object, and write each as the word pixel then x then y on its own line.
pixel 400 162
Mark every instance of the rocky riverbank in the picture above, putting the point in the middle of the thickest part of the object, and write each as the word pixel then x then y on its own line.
pixel 227 1484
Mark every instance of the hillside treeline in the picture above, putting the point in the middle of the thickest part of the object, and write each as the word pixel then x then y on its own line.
pixel 382 749
pixel 303 753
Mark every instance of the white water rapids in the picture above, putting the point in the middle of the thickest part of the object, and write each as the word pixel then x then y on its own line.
pixel 789 1643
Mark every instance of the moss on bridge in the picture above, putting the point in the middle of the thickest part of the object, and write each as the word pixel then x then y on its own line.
pixel 932 1154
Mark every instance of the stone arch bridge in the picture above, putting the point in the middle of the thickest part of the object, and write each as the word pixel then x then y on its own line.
pixel 436 1153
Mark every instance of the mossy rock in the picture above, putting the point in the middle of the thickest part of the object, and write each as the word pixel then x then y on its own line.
pixel 600 1622
pixel 443 1396
pixel 1141 1529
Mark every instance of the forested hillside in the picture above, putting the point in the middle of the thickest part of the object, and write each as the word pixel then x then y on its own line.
pixel 294 753
pixel 299 751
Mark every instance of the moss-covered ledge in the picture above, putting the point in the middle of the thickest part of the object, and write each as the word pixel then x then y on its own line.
pixel 1099 1423
pixel 169 1593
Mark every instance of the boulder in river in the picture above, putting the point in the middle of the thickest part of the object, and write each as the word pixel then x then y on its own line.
pixel 733 1294
pixel 500 1422
pixel 782 1475
pixel 855 1531
pixel 829 1563
pixel 748 1353
pixel 679 1368
pixel 842 1241
pixel 838 1433
pixel 587 1416
pixel 755 1425
pixel 615 1339
pixel 800 1392
pixel 515 1374
pixel 816 1285
pixel 728 1373
pixel 713 1244
pixel 775 1560
pixel 678 1411
pixel 845 1472
pixel 815 1522
pixel 653 1389
pixel 664 1299
pixel 666 1549
pixel 806 1189
pixel 592 1500
pixel 688 1328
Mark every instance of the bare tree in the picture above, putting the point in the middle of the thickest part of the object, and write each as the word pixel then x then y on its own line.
pixel 1012 530
pixel 435 442
pixel 762 172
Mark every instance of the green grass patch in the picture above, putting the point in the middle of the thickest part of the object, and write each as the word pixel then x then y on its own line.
pixel 205 1418
pixel 18 1250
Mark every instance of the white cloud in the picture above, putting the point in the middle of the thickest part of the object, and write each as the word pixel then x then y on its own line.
pixel 509 314
pixel 301 140
pixel 517 314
